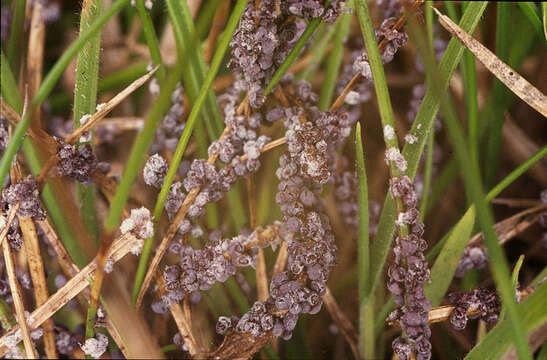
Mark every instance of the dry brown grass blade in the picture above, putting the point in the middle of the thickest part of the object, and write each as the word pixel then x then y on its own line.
pixel 123 324
pixel 512 226
pixel 342 321
pixel 261 275
pixel 513 80
pixel 185 329
pixel 104 109
pixel 37 273
pixel 73 287
pixel 35 57
pixel 18 302
pixel 11 216
pixel 36 268
pixel 43 139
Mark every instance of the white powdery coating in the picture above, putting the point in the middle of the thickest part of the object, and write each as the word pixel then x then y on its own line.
pixel 14 353
pixel 389 132
pixel 154 87
pixel 109 266
pixel 100 106
pixel 137 249
pixel 13 339
pixel 352 98
pixel 411 139
pixel 139 223
pixel 393 154
pixel 95 347
pixel 85 137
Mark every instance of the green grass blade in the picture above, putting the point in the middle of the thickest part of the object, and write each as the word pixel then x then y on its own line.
pixel 446 263
pixel 499 93
pixel 140 147
pixel 502 185
pixel 185 137
pixel 85 97
pixel 317 50
pixel 151 38
pixel 534 315
pixel 16 34
pixel 334 61
pixel 49 82
pixel 293 54
pixel 530 11
pixel 366 315
pixel 10 92
pixel 205 17
pixel 195 72
pixel 544 15
pixel 423 123
pixel 363 242
pixel 473 187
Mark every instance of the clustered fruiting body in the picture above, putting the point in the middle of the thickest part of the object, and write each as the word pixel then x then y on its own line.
pixel 265 36
pixel 4 135
pixel 200 269
pixel 170 129
pixel 407 276
pixel 473 257
pixel 479 303
pixel 95 347
pixel 26 194
pixel 78 163
pixel 305 227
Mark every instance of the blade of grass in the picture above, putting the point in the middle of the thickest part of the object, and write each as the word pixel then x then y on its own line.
pixel 514 282
pixel 334 60
pixel 17 300
pixel 193 79
pixel 428 168
pixel 473 186
pixel 510 78
pixel 318 50
pixel 446 263
pixel 366 315
pixel 544 15
pixel 412 152
pixel 151 38
pixel 495 344
pixel 49 82
pixel 205 17
pixel 85 97
pixel 502 185
pixel 16 34
pixel 530 11
pixel 185 35
pixel 185 137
